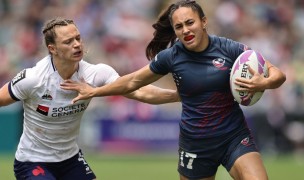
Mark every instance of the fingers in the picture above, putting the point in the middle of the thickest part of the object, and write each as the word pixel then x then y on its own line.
pixel 75 100
pixel 81 87
pixel 70 85
pixel 242 84
pixel 78 98
pixel 67 87
pixel 245 80
pixel 249 96
pixel 251 70
pixel 242 89
pixel 246 85
pixel 247 90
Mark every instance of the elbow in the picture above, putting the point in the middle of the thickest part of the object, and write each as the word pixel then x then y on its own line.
pixel 277 78
pixel 279 81
pixel 282 79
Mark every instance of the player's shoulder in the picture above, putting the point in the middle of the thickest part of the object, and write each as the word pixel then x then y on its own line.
pixel 226 44
pixel 34 74
pixel 220 40
pixel 97 74
pixel 169 53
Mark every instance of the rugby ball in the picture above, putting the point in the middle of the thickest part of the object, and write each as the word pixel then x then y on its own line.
pixel 240 70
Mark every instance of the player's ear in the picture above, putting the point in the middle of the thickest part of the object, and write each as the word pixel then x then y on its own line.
pixel 204 22
pixel 52 49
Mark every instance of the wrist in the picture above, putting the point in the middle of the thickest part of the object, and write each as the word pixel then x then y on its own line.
pixel 93 93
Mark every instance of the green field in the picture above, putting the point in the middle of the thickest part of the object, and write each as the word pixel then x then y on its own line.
pixel 163 167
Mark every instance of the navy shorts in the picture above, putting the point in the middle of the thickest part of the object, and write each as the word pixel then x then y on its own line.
pixel 203 160
pixel 75 168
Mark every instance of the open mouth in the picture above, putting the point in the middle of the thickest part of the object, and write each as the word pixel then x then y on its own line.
pixel 189 38
pixel 78 53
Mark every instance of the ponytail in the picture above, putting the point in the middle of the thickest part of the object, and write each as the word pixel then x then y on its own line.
pixel 163 35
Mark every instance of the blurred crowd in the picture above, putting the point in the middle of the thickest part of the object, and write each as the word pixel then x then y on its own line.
pixel 116 32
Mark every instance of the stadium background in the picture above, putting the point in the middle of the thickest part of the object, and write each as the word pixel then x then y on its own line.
pixel 118 133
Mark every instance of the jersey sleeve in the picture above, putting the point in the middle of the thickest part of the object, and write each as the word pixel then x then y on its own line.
pixel 21 86
pixel 236 48
pixel 161 63
pixel 104 74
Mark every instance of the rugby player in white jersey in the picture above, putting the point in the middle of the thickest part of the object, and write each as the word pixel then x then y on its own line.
pixel 48 147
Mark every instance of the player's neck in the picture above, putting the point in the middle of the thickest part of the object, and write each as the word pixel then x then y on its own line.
pixel 65 69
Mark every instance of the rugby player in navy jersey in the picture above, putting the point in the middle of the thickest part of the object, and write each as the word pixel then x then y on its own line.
pixel 48 147
pixel 213 130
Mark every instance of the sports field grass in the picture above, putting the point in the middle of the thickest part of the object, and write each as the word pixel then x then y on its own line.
pixel 163 167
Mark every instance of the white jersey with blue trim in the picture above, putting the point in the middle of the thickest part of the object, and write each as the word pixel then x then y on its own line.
pixel 51 122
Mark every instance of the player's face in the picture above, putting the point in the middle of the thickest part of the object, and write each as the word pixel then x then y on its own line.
pixel 68 44
pixel 189 28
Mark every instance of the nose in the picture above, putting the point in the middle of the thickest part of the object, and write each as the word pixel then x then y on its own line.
pixel 185 30
pixel 77 43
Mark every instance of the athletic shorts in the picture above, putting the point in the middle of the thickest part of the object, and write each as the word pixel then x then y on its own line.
pixel 75 168
pixel 203 160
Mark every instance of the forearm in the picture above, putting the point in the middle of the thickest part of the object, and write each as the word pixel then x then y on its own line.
pixel 154 95
pixel 128 83
pixel 121 86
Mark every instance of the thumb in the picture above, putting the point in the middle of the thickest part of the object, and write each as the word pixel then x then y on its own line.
pixel 251 70
pixel 75 100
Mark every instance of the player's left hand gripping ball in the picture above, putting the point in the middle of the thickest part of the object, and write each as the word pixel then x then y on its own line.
pixel 240 70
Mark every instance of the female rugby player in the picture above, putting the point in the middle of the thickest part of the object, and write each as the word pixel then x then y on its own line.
pixel 213 130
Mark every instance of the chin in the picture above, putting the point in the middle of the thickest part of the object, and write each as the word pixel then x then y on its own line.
pixel 78 58
pixel 190 47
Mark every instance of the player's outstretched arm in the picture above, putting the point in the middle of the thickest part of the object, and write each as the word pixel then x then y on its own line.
pixel 154 95
pixel 125 85
pixel 148 94
pixel 5 98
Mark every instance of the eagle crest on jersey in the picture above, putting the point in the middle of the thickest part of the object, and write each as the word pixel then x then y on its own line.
pixel 19 77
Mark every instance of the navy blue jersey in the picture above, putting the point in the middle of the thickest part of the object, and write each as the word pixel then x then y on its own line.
pixel 202 80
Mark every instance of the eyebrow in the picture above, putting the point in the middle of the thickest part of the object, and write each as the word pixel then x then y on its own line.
pixel 68 39
pixel 187 20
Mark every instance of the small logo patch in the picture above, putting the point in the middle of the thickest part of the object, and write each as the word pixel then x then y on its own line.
pixel 19 77
pixel 42 110
pixel 38 171
pixel 245 141
pixel 47 96
pixel 219 63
